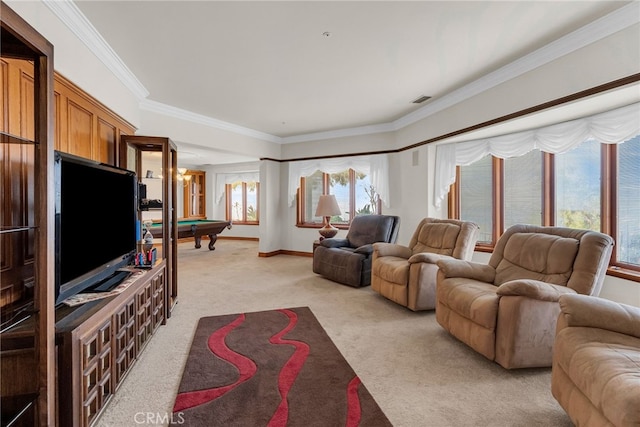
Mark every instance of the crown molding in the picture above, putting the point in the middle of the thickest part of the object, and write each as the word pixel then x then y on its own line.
pixel 603 27
pixel 340 133
pixel 75 20
pixel 178 113
pixel 607 25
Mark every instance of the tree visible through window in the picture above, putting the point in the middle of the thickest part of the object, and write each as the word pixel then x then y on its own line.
pixel 242 202
pixel 353 190
pixel 578 187
pixel 594 186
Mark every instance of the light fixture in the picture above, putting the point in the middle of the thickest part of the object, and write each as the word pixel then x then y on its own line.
pixel 327 207
pixel 182 174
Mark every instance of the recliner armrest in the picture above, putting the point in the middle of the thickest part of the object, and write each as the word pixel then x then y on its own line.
pixel 391 249
pixel 364 249
pixel 534 289
pixel 428 257
pixel 467 269
pixel 594 312
pixel 334 243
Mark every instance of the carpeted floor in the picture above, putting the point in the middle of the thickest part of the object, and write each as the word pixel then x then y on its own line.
pixel 416 372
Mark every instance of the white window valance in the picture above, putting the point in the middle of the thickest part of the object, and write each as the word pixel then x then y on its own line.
pixel 610 127
pixel 223 179
pixel 375 166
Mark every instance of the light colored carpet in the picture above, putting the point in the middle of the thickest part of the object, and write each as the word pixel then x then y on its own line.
pixel 418 374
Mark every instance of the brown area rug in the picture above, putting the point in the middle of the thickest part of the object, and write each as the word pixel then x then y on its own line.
pixel 270 368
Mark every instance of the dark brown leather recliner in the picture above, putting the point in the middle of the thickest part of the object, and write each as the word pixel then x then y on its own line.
pixel 348 261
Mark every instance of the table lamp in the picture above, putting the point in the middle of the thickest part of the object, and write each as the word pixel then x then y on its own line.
pixel 327 207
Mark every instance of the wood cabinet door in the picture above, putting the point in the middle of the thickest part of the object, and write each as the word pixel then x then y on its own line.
pixel 80 129
pixel 17 183
pixel 82 125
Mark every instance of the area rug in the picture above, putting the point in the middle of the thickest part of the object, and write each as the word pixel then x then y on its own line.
pixel 270 368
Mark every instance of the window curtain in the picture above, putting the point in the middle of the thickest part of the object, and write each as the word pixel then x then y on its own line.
pixel 610 127
pixel 375 166
pixel 223 179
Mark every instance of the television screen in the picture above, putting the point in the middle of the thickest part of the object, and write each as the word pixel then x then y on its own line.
pixel 95 222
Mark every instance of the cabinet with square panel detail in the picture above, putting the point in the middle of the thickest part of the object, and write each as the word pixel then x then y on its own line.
pixel 100 341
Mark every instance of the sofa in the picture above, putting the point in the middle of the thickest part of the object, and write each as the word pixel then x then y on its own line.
pixel 507 310
pixel 348 261
pixel 406 275
pixel 595 374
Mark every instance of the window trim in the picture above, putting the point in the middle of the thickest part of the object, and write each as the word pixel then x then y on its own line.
pixel 229 208
pixel 326 184
pixel 608 204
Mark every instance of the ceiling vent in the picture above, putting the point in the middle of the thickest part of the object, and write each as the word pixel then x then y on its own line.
pixel 421 99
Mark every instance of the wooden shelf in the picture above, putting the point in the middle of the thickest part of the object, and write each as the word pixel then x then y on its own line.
pixel 5 229
pixel 132 148
pixel 16 408
pixel 6 138
pixel 14 315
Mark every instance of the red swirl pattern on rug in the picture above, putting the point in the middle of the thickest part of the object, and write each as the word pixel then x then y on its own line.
pixel 354 412
pixel 246 367
pixel 290 370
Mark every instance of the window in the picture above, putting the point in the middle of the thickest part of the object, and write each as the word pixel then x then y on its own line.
pixel 577 187
pixel 476 195
pixel 242 202
pixel 628 203
pixel 353 191
pixel 594 186
pixel 523 189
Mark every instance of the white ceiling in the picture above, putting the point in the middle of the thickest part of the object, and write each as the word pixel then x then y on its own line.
pixel 267 66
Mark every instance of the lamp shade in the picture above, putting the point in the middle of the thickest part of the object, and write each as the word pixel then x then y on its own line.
pixel 327 206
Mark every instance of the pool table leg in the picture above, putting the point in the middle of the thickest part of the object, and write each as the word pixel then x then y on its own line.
pixel 197 237
pixel 212 241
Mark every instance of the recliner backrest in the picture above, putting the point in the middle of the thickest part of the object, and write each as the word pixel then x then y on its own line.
pixel 368 229
pixel 537 256
pixel 562 256
pixel 445 237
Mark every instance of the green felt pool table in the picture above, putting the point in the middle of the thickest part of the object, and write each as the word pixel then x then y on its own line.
pixel 196 229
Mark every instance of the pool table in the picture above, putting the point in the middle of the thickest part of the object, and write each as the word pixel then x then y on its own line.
pixel 196 228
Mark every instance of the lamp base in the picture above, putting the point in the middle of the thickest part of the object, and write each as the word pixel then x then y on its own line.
pixel 328 231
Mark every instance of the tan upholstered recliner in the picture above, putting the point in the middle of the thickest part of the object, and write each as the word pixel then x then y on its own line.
pixel 507 310
pixel 407 274
pixel 595 374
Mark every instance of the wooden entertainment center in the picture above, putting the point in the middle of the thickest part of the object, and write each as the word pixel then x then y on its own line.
pixel 98 343
pixel 61 366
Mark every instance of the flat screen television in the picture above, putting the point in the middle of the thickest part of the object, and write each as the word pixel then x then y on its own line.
pixel 96 226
